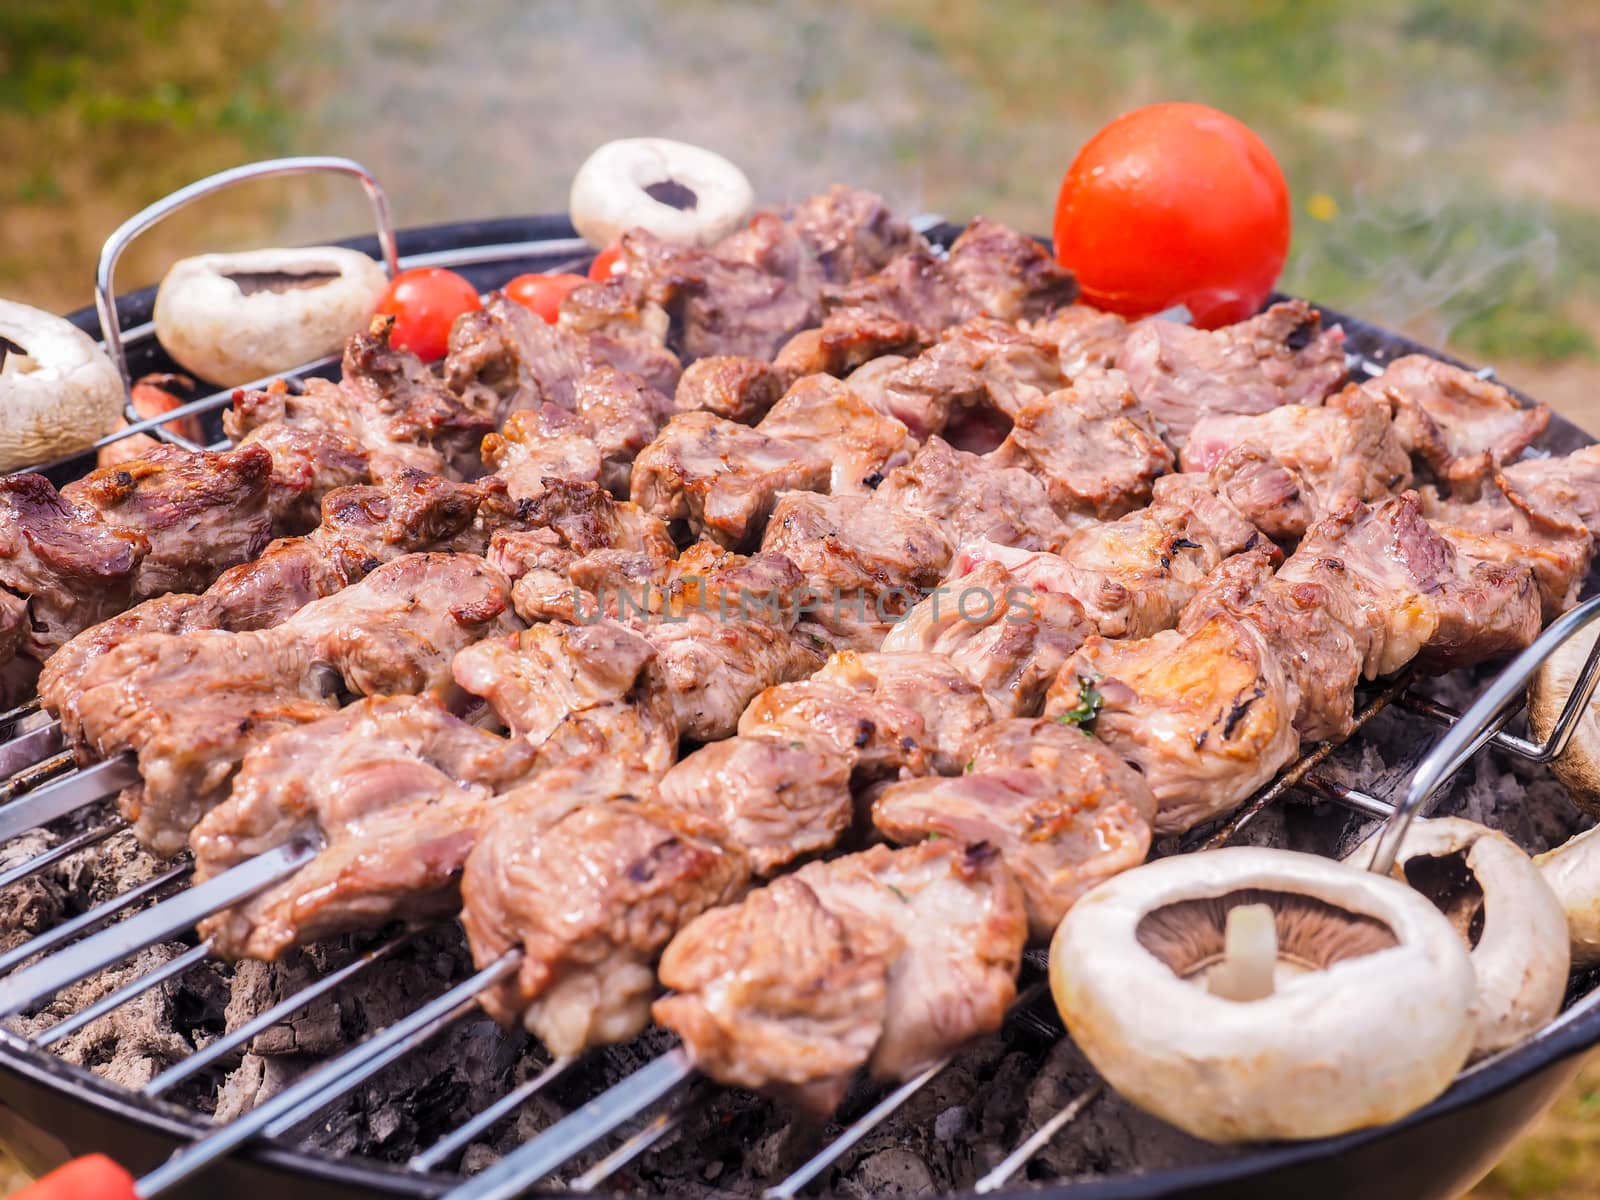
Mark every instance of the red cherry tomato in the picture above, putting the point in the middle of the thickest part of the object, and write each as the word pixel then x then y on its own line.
pixel 93 1177
pixel 425 302
pixel 604 264
pixel 1174 204
pixel 543 293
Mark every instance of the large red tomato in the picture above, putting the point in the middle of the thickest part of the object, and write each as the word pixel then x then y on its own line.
pixel 1174 204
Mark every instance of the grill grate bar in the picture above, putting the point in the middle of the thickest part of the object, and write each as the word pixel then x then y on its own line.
pixel 69 793
pixel 113 1000
pixel 320 1087
pixel 12 715
pixel 241 1036
pixel 653 1131
pixel 1037 1140
pixel 27 750
pixel 84 922
pixel 459 1139
pixel 1352 798
pixel 55 854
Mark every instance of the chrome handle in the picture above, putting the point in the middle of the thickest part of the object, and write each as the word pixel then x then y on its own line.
pixel 105 296
pixel 1483 719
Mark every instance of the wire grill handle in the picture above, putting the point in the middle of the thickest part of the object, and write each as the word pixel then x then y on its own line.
pixel 1483 720
pixel 105 295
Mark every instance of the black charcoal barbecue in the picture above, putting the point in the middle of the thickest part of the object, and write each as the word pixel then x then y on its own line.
pixel 624 1104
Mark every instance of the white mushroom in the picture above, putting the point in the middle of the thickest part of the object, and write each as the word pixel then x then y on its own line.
pixel 1572 870
pixel 680 193
pixel 1505 913
pixel 1579 764
pixel 1368 1014
pixel 58 389
pixel 233 318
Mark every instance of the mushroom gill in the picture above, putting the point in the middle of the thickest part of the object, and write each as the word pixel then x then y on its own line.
pixel 1450 882
pixel 251 282
pixel 1189 936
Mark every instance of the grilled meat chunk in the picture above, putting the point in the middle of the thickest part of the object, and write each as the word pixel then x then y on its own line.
pixel 971 497
pixel 200 512
pixel 1568 484
pixel 589 900
pixel 548 442
pixel 70 568
pixel 1281 356
pixel 1010 275
pixel 1094 446
pixel 1461 426
pixel 392 789
pixel 1290 466
pixel 999 632
pixel 739 389
pixel 891 959
pixel 1206 715
pixel 1083 337
pixel 1063 810
pixel 834 424
pixel 190 705
pixel 865 562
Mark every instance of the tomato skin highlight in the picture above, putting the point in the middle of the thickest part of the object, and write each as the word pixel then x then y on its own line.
pixel 1174 204
pixel 425 302
pixel 543 294
pixel 604 264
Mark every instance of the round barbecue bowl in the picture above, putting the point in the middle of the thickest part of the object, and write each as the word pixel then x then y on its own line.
pixel 50 1111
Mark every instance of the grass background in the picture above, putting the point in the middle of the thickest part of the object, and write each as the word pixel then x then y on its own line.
pixel 1444 155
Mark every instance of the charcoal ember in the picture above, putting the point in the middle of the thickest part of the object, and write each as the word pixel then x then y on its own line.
pixel 257 986
pixel 116 865
pixel 891 1172
pixel 29 906
pixel 256 1080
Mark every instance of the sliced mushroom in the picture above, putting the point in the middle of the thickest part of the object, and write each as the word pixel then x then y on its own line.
pixel 1572 870
pixel 1579 764
pixel 680 193
pixel 58 389
pixel 234 318
pixel 1367 1013
pixel 1506 914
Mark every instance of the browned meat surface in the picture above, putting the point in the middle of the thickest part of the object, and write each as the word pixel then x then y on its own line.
pixel 1010 275
pixel 1568 485
pixel 1206 715
pixel 740 389
pixel 889 959
pixel 392 789
pixel 589 900
pixel 70 568
pixel 1134 575
pixel 548 442
pixel 200 512
pixel 1094 446
pixel 1181 374
pixel 973 498
pixel 1062 809
pixel 721 477
pixel 998 631
pixel 623 413
pixel 1083 337
pixel 865 562
pixel 1419 597
pixel 309 460
pixel 1461 426
pixel 189 705
pixel 846 232
pixel 834 425
pixel 514 355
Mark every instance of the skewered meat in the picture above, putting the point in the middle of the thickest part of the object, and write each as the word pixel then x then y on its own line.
pixel 1083 337
pixel 889 959
pixel 1063 811
pixel 548 442
pixel 1181 374
pixel 590 900
pixel 973 498
pixel 999 632
pixel 1569 484
pixel 70 568
pixel 1094 446
pixel 623 413
pixel 1288 467
pixel 835 425
pixel 1462 426
pixel 200 512
pixel 1009 274
pixel 737 388
pixel 190 705
pixel 393 790
pixel 866 563
pixel 1206 715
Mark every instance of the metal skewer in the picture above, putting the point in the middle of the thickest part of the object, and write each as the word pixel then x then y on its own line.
pixel 67 794
pixel 459 1139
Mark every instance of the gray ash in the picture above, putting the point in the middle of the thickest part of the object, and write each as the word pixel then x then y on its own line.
pixel 731 1143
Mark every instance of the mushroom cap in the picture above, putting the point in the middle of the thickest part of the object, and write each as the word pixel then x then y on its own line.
pixel 235 318
pixel 58 395
pixel 680 193
pixel 1579 764
pixel 1503 909
pixel 1572 870
pixel 1374 1023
